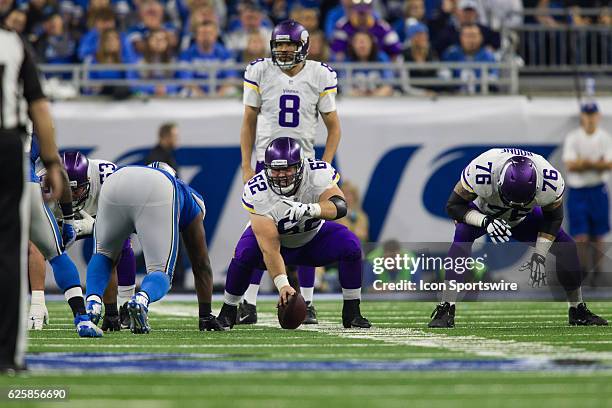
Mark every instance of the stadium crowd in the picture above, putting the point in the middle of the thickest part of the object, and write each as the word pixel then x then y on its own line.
pixel 185 32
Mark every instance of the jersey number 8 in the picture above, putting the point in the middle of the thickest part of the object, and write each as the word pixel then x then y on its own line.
pixel 289 115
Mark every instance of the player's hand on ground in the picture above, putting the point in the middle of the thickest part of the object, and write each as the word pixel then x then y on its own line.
pixel 247 174
pixel 210 323
pixel 297 210
pixel 68 233
pixel 53 183
pixel 84 226
pixel 285 292
pixel 537 268
pixel 499 230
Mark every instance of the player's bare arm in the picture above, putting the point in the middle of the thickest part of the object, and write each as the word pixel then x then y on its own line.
pixel 332 203
pixel 247 140
pixel 267 237
pixel 194 237
pixel 332 123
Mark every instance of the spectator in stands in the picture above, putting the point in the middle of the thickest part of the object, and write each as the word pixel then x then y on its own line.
pixel 16 20
pixel 207 49
pixel 198 15
pixel 257 47
pixel 277 10
pixel 55 45
pixel 356 219
pixel 109 52
pixel 151 14
pixel 102 20
pixel 157 51
pixel 471 49
pixel 414 12
pixel 35 10
pixel 308 17
pixel 446 27
pixel 368 81
pixel 419 51
pixel 6 6
pixel 318 49
pixel 251 21
pixel 587 154
pixel 498 14
pixel 361 18
pixel 334 15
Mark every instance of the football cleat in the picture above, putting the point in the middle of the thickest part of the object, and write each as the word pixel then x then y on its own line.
pixel 94 310
pixel 227 316
pixel 311 314
pixel 210 323
pixel 111 323
pixel 582 316
pixel 124 316
pixel 247 313
pixel 443 316
pixel 85 327
pixel 38 317
pixel 351 315
pixel 139 319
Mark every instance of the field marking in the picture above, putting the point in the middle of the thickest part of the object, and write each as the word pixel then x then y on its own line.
pixel 475 345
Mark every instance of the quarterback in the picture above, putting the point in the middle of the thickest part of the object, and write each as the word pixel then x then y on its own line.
pixel 515 193
pixel 284 96
pixel 291 204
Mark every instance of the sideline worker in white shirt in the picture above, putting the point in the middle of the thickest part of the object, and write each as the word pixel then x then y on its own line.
pixel 587 154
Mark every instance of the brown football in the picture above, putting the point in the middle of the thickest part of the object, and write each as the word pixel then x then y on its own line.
pixel 292 315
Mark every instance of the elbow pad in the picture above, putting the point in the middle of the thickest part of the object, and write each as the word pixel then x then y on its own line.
pixel 457 207
pixel 551 223
pixel 340 204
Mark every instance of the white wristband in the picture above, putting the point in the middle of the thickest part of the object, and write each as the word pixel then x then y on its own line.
pixel 314 210
pixel 280 281
pixel 475 218
pixel 543 246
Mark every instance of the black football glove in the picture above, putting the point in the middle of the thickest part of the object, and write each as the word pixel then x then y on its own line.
pixel 111 323
pixel 537 268
pixel 210 323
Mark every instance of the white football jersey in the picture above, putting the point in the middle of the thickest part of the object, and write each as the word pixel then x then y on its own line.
pixel 289 106
pixel 98 171
pixel 258 198
pixel 481 177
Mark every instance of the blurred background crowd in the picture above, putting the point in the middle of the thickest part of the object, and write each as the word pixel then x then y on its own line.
pixel 196 33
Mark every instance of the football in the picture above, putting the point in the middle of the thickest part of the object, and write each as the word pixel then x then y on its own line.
pixel 291 315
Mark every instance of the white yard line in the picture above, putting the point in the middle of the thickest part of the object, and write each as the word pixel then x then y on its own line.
pixel 475 345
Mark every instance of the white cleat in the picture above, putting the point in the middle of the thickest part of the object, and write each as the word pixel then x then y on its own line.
pixel 39 316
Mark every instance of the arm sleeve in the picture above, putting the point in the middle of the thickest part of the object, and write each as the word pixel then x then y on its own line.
pixel 457 207
pixel 327 89
pixel 29 75
pixel 551 221
pixel 252 78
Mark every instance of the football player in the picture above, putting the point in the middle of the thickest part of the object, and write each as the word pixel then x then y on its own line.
pixel 157 206
pixel 291 204
pixel 515 193
pixel 284 96
pixel 45 235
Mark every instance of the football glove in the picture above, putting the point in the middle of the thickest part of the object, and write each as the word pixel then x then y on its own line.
pixel 68 233
pixel 85 225
pixel 537 268
pixel 498 229
pixel 210 323
pixel 297 210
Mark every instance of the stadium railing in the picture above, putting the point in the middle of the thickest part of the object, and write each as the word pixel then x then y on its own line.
pixel 463 77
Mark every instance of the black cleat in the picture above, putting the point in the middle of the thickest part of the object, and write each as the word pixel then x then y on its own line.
pixel 124 316
pixel 311 314
pixel 210 323
pixel 247 313
pixel 582 316
pixel 443 316
pixel 111 323
pixel 227 316
pixel 351 315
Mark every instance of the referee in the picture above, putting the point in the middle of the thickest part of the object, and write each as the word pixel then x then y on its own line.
pixel 20 96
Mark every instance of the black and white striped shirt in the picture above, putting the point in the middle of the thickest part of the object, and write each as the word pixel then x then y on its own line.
pixel 19 81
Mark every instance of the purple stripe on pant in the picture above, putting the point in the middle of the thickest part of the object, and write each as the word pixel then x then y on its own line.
pixel 568 271
pixel 126 267
pixel 333 243
pixel 306 274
